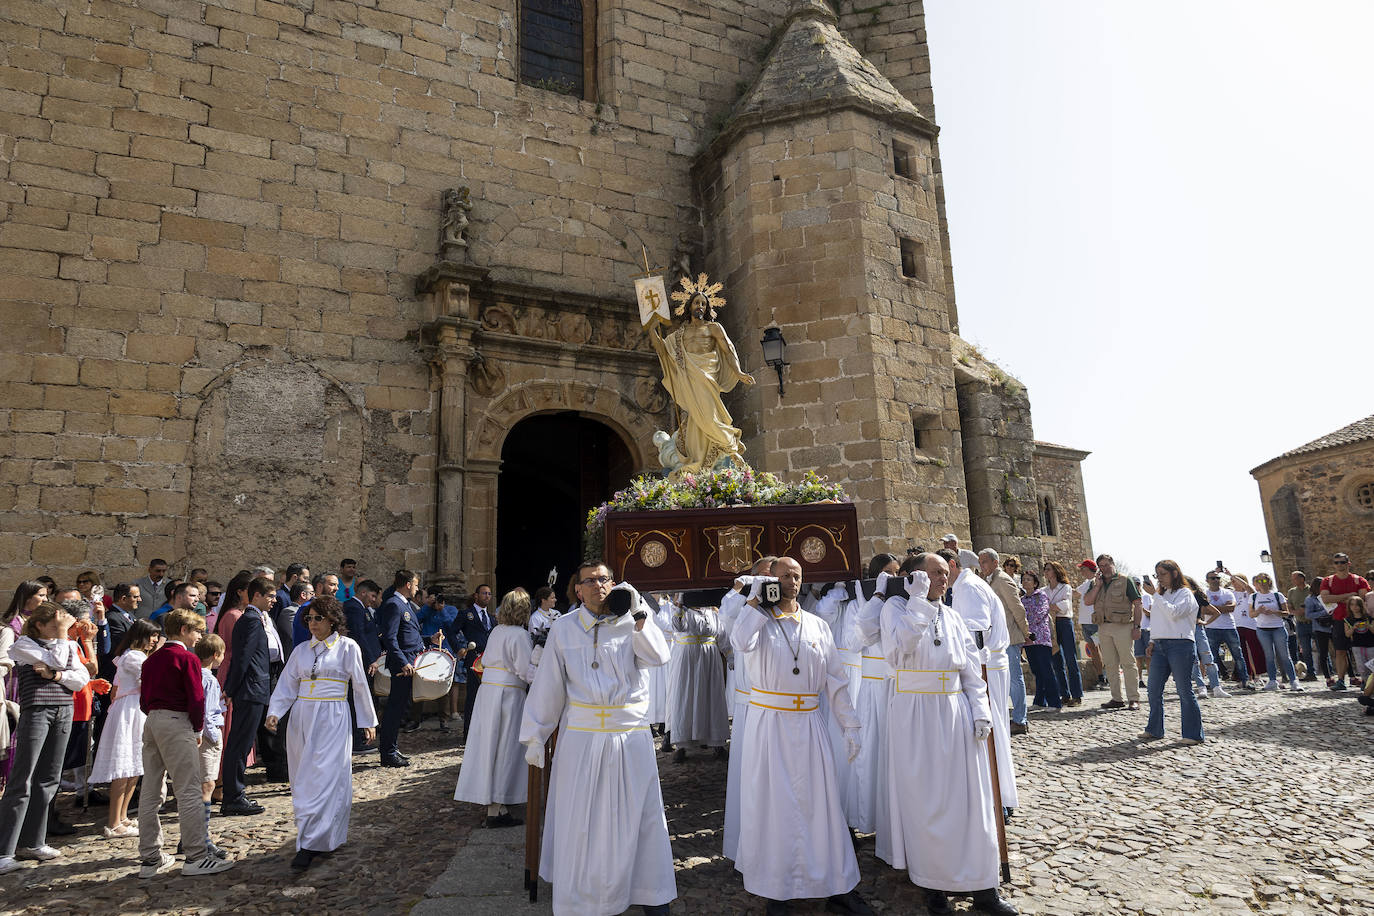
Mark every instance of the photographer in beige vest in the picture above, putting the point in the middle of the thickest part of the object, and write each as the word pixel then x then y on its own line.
pixel 1117 612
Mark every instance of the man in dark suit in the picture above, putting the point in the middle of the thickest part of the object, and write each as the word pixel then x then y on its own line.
pixel 476 623
pixel 249 685
pixel 119 618
pixel 398 629
pixel 361 621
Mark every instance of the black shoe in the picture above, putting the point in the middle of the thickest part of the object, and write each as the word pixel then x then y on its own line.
pixel 680 755
pixel 938 903
pixel 302 859
pixel 443 727
pixel 395 761
pixel 850 903
pixel 59 828
pixel 1339 685
pixel 1364 700
pixel 721 753
pixel 504 820
pixel 1369 710
pixel 777 908
pixel 660 910
pixel 988 902
pixel 242 808
pixel 411 727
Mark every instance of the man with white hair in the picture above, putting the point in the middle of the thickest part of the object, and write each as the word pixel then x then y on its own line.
pixel 981 610
pixel 950 542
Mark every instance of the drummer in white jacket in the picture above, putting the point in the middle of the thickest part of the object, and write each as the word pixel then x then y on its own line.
pixel 493 771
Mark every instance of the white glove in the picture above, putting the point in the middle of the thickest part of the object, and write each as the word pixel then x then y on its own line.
pixel 756 587
pixel 536 654
pixel 918 584
pixel 534 755
pixel 851 740
pixel 981 729
pixel 883 579
pixel 745 582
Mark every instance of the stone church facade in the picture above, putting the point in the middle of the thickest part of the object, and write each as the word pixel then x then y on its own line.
pixel 321 278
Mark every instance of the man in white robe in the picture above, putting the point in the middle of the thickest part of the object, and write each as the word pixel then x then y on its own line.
pixel 606 842
pixel 794 842
pixel 731 607
pixel 696 677
pixel 939 785
pixel 981 609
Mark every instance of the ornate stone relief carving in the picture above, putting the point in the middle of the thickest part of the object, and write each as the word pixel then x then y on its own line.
pixel 486 377
pixel 569 327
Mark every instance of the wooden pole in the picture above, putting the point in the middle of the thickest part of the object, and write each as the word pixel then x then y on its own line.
pixel 997 792
pixel 537 800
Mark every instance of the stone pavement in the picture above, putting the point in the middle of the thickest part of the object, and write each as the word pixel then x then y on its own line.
pixel 1272 815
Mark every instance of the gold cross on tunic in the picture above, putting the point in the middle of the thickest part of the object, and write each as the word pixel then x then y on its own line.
pixel 602 715
pixel 797 703
pixel 944 681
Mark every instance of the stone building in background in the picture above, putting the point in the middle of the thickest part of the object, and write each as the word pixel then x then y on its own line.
pixel 1061 504
pixel 1318 501
pixel 298 280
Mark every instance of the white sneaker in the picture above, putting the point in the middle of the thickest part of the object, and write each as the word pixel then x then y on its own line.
pixel 147 870
pixel 1218 692
pixel 8 864
pixel 209 865
pixel 38 853
pixel 1298 688
pixel 1272 685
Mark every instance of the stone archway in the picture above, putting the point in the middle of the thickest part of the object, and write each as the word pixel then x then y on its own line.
pixel 276 468
pixel 487 435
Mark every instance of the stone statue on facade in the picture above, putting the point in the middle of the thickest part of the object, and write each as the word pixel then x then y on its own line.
pixel 455 205
pixel 699 364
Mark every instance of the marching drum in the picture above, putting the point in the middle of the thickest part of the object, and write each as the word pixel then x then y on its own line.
pixel 434 670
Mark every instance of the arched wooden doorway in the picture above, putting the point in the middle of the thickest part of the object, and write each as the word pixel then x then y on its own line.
pixel 554 468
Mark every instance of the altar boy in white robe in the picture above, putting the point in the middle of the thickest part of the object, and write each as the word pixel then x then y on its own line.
pixel 606 842
pixel 698 713
pixel 939 779
pixel 794 842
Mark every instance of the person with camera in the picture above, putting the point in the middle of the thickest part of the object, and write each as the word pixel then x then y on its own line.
pixel 794 840
pixel 1171 652
pixel 944 819
pixel 605 845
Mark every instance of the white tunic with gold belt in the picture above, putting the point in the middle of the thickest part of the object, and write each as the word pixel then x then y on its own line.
pixel 696 680
pixel 939 782
pixel 605 842
pixel 313 687
pixel 493 770
pixel 794 841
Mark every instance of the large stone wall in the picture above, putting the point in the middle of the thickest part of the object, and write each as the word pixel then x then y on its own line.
pixel 1310 509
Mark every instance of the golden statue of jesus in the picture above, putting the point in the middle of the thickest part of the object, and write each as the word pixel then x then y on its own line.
pixel 699 364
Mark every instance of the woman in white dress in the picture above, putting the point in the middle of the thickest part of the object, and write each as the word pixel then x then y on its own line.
pixel 319 737
pixel 119 756
pixel 493 772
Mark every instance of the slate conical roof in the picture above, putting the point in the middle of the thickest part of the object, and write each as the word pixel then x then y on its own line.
pixel 813 68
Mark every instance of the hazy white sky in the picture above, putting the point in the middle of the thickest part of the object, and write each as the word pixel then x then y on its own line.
pixel 1160 219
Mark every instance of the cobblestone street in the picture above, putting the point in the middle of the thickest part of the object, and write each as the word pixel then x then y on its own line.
pixel 1270 816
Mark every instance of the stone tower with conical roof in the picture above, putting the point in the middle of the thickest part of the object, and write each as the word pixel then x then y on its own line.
pixel 820 196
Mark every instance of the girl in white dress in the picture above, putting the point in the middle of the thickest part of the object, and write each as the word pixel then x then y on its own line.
pixel 493 771
pixel 319 737
pixel 119 756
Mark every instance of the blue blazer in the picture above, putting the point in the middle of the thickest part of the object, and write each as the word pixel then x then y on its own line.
pixel 398 629
pixel 470 624
pixel 249 679
pixel 362 626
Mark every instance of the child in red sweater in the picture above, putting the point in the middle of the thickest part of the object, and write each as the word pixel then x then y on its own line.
pixel 174 701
